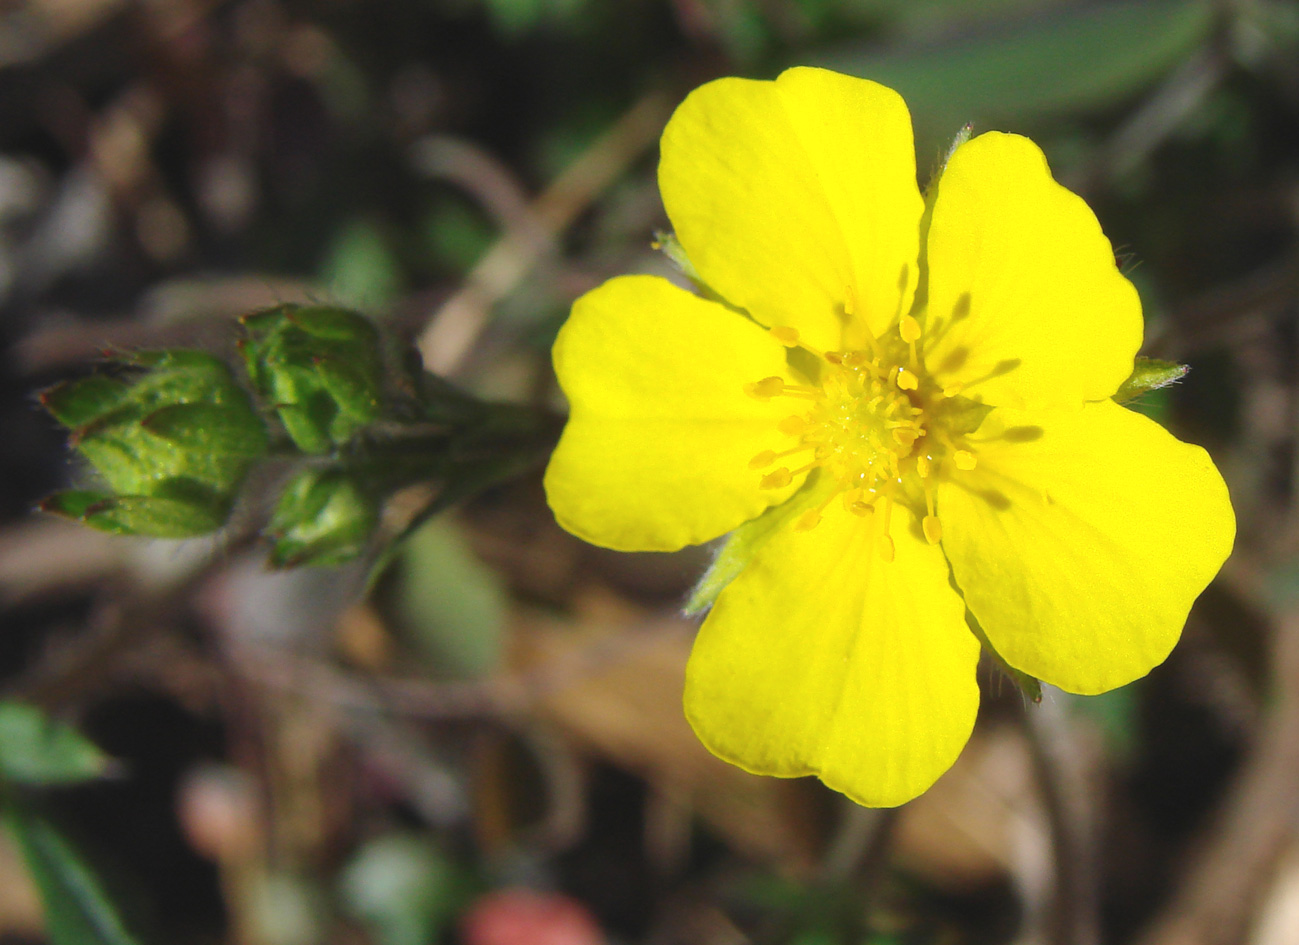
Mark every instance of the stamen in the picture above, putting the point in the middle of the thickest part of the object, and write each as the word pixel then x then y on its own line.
pixel 812 517
pixel 776 479
pixel 766 388
pixel 964 459
pixel 887 549
pixel 933 530
pixel 952 390
pixel 785 335
pixel 906 437
pixel 922 466
pixel 909 329
pixel 763 459
pixel 906 380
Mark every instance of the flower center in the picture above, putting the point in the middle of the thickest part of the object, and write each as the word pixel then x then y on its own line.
pixel 875 423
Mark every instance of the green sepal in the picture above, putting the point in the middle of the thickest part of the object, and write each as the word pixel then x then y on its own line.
pixel 746 541
pixel 38 751
pixel 151 516
pixel 322 518
pixel 1149 374
pixel 211 428
pixel 77 403
pixel 1030 686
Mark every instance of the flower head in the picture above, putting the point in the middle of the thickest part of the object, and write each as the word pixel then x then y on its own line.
pixel 908 400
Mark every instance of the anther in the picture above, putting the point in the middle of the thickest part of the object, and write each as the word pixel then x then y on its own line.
pixel 887 549
pixel 906 380
pixel 922 466
pixel 862 509
pixel 964 459
pixel 793 426
pixel 785 335
pixel 933 530
pixel 808 521
pixel 855 358
pixel 766 388
pixel 905 437
pixel 763 459
pixel 952 390
pixel 834 357
pixel 776 479
pixel 909 329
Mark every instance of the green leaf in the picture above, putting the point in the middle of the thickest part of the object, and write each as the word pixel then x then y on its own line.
pixel 1072 59
pixel 77 910
pixel 1149 374
pixel 452 604
pixel 360 269
pixel 745 542
pixel 37 750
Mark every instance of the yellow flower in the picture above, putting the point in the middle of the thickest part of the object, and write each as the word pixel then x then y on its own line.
pixel 917 398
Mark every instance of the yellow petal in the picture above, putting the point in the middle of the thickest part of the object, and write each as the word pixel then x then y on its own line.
pixel 1081 539
pixel 821 658
pixel 656 452
pixel 1026 305
pixel 791 196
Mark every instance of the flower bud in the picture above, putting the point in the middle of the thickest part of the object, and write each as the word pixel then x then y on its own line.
pixel 319 366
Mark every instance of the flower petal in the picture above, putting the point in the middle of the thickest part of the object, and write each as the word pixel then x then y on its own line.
pixel 821 658
pixel 1081 539
pixel 656 451
pixel 1026 306
pixel 786 195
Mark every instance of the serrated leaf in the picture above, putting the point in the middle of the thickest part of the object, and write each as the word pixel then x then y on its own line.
pixel 745 542
pixel 77 909
pixel 37 750
pixel 1149 374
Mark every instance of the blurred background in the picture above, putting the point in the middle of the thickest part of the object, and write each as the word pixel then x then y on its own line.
pixel 487 746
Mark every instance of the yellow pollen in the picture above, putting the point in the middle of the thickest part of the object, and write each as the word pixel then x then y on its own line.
pixel 964 459
pixel 933 530
pixel 907 380
pixel 785 335
pixel 763 459
pixel 909 329
pixel 922 466
pixel 766 388
pixel 776 479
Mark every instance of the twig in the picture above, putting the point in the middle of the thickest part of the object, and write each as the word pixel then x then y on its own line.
pixel 1062 769
pixel 1216 901
pixel 457 325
